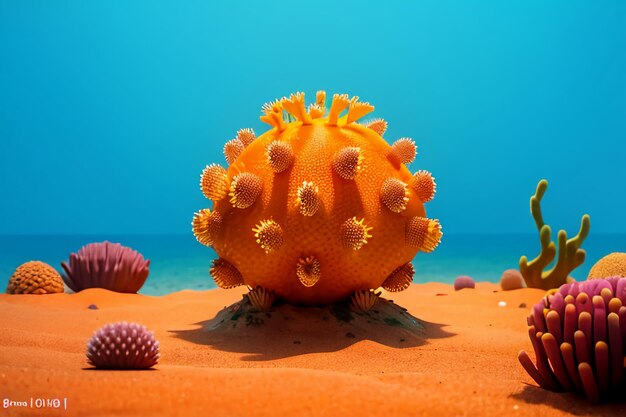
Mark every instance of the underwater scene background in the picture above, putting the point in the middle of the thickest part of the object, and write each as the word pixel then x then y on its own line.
pixel 178 262
pixel 110 111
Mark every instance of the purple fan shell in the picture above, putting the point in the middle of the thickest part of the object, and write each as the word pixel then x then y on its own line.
pixel 106 265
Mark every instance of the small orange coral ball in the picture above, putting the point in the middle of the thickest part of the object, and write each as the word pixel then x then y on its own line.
pixel 35 277
pixel 512 279
pixel 612 265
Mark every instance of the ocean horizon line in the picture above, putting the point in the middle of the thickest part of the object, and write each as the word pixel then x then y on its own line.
pixel 460 234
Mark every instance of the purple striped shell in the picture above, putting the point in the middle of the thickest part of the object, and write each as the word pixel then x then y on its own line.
pixel 106 265
pixel 579 337
pixel 123 346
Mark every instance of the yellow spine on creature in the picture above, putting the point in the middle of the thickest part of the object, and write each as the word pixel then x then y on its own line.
pixel 317 208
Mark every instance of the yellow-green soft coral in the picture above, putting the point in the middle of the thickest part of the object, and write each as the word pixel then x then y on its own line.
pixel 570 256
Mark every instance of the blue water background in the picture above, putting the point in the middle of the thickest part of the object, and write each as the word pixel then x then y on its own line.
pixel 179 262
pixel 109 110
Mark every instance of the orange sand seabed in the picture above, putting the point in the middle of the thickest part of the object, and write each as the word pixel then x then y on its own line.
pixel 466 363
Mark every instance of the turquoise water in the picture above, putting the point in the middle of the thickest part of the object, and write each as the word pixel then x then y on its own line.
pixel 109 110
pixel 178 262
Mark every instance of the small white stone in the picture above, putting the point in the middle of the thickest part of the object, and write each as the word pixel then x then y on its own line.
pixel 502 304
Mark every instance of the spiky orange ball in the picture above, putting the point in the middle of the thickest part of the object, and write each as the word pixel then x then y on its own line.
pixel 35 277
pixel 319 207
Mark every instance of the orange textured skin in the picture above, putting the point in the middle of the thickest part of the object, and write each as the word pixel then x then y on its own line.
pixel 315 200
pixel 35 277
pixel 343 271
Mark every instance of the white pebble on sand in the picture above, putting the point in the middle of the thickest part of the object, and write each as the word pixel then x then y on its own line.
pixel 502 304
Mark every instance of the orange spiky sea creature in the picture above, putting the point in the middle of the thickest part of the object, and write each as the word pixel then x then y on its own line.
pixel 317 208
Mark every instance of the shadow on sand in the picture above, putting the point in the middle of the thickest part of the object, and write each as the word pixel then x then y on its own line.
pixel 287 331
pixel 568 402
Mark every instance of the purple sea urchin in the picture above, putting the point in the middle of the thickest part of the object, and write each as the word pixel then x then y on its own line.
pixel 463 282
pixel 106 265
pixel 579 335
pixel 123 345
